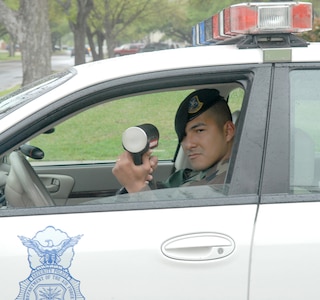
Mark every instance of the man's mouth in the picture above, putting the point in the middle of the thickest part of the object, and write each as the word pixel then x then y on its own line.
pixel 192 156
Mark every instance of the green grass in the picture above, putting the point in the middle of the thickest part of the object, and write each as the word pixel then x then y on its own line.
pixel 96 134
pixel 12 89
pixel 4 56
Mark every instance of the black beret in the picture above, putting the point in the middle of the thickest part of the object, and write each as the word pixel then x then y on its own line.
pixel 192 106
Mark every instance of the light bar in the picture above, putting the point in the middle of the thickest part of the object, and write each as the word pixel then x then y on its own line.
pixel 255 18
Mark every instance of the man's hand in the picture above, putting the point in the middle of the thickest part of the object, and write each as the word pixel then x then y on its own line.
pixel 134 177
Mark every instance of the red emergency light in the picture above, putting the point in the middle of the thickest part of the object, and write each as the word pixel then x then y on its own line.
pixel 259 18
pixel 263 17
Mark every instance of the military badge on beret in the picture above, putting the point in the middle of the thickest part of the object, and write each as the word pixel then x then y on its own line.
pixel 194 105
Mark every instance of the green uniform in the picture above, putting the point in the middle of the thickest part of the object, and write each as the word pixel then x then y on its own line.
pixel 187 177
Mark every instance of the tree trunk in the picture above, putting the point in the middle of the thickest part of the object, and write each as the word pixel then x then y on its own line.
pixel 110 37
pixel 91 44
pixel 78 28
pixel 96 55
pixel 35 40
pixel 12 46
pixel 111 44
pixel 100 38
pixel 79 31
pixel 30 27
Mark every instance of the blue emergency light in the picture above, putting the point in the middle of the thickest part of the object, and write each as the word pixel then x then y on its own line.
pixel 254 18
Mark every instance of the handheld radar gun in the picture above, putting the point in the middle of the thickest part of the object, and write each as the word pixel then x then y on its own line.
pixel 139 139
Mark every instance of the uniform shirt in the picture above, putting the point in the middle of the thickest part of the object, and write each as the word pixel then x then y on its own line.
pixel 187 177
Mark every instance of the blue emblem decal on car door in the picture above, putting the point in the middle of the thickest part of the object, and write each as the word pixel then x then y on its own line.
pixel 50 253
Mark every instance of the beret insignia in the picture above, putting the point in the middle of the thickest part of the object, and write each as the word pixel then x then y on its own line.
pixel 194 105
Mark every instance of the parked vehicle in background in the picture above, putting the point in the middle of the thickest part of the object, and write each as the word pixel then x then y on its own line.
pixel 87 51
pixel 127 49
pixel 158 46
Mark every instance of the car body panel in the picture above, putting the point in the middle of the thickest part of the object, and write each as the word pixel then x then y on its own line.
pixel 137 245
pixel 140 229
pixel 286 245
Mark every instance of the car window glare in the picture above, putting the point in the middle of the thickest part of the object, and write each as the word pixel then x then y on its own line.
pixel 170 194
pixel 29 92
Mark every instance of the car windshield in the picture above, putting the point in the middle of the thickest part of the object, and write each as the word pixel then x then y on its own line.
pixel 29 92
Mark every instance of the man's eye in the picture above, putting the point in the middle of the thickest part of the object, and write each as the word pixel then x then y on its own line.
pixel 200 130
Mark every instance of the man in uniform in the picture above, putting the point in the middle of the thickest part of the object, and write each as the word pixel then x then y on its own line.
pixel 205 130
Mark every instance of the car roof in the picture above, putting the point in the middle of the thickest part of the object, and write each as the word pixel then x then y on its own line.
pixel 184 58
pixel 163 60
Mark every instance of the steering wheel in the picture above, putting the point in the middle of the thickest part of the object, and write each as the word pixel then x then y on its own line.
pixel 24 188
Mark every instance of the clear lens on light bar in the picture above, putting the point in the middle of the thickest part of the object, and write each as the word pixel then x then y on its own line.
pixel 255 18
pixel 273 18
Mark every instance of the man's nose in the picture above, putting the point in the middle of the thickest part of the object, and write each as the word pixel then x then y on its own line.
pixel 187 143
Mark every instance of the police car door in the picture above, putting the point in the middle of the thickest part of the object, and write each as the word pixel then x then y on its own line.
pixel 191 243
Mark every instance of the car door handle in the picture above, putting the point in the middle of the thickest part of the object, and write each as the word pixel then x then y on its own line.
pixel 51 183
pixel 54 185
pixel 198 246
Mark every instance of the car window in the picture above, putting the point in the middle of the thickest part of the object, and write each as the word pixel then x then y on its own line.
pixel 80 153
pixel 235 100
pixel 305 127
pixel 95 134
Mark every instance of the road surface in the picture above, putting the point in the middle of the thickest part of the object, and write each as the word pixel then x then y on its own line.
pixel 11 71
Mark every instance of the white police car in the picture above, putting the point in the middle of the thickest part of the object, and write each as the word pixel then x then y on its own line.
pixel 66 236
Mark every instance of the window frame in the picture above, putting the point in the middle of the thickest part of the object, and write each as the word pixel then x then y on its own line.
pixel 276 179
pixel 249 142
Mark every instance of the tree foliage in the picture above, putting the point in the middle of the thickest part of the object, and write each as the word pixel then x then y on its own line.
pixel 59 25
pixel 3 31
pixel 314 35
pixel 122 17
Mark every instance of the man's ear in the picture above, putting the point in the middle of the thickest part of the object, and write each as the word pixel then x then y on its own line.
pixel 229 129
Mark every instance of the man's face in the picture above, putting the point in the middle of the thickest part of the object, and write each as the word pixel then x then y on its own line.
pixel 205 143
